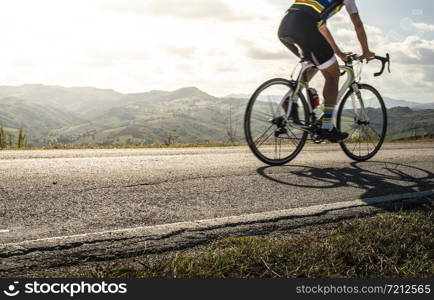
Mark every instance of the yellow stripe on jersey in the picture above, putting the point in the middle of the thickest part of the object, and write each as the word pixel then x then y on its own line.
pixel 318 7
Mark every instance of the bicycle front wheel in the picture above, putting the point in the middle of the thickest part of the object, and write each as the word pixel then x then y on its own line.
pixel 364 117
pixel 272 137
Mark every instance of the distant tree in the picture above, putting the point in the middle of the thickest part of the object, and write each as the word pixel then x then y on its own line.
pixel 231 131
pixel 170 138
pixel 11 140
pixel 3 143
pixel 22 139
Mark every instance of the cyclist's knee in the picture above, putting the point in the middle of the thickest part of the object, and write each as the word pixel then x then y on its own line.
pixel 331 73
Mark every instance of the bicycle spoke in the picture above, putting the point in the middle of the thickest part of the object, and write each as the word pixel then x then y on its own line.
pixel 373 129
pixel 261 140
pixel 360 149
pixel 365 140
pixel 295 137
pixel 280 148
pixel 292 140
pixel 261 119
pixel 272 108
pixel 288 138
pixel 263 134
pixel 370 139
pixel 367 144
pixel 265 117
pixel 352 132
pixel 275 147
pixel 355 147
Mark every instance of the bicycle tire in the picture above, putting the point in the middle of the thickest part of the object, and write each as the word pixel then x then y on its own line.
pixel 344 144
pixel 247 124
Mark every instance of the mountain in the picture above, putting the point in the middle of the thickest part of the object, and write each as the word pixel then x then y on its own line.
pixel 90 116
pixel 390 102
pixel 37 119
pixel 424 106
pixel 405 123
pixel 104 117
pixel 86 101
pixel 239 96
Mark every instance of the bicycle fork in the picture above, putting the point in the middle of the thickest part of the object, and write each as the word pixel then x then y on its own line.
pixel 359 117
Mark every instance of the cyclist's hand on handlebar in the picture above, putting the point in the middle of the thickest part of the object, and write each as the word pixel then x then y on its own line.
pixel 367 56
pixel 344 55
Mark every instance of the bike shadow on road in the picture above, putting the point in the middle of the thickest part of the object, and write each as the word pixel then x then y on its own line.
pixel 375 178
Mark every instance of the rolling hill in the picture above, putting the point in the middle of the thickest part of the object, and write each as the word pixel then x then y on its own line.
pixel 90 116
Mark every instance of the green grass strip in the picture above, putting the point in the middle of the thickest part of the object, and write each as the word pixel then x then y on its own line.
pixel 393 244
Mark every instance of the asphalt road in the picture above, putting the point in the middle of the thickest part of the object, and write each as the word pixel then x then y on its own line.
pixel 56 193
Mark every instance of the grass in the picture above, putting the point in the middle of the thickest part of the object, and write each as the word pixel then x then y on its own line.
pixel 149 146
pixel 392 244
pixel 409 141
pixel 175 146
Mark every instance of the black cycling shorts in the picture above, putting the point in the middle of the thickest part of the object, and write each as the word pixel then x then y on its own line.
pixel 300 28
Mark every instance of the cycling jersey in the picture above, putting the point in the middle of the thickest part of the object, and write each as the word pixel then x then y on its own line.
pixel 322 10
pixel 299 29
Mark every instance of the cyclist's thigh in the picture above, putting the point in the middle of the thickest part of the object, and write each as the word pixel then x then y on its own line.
pixel 331 72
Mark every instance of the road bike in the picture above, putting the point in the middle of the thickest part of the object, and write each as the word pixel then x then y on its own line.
pixel 279 120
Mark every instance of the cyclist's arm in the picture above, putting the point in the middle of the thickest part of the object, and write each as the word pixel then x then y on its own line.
pixel 328 36
pixel 361 35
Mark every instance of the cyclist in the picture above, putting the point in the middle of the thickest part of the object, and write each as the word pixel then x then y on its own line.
pixel 305 26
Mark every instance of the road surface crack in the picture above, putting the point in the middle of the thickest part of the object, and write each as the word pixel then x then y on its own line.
pixel 165 182
pixel 138 239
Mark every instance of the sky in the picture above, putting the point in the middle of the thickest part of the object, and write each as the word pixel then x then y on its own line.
pixel 220 46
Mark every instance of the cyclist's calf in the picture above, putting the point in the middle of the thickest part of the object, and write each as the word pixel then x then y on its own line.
pixel 331 87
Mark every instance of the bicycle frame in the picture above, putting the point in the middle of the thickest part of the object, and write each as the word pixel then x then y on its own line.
pixel 261 130
pixel 302 84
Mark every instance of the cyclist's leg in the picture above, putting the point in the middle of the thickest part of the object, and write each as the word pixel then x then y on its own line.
pixel 325 60
pixel 297 31
pixel 331 86
pixel 331 90
pixel 311 73
pixel 294 33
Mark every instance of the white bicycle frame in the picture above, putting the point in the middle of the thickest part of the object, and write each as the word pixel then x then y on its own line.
pixel 350 82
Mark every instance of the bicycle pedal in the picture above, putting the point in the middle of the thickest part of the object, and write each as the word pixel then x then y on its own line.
pixel 318 140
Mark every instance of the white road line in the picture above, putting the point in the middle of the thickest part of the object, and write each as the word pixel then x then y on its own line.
pixel 242 219
pixel 4 231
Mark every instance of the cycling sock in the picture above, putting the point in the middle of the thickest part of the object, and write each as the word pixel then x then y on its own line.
pixel 327 121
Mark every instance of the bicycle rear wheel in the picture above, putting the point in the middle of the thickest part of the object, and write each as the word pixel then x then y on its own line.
pixel 364 118
pixel 272 138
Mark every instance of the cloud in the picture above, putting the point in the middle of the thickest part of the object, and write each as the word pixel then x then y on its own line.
pixel 259 51
pixel 414 50
pixel 185 52
pixel 225 68
pixel 429 75
pixel 263 54
pixel 223 46
pixel 185 9
pixel 423 26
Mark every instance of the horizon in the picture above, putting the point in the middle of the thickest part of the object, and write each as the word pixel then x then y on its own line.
pixel 137 46
pixel 170 91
